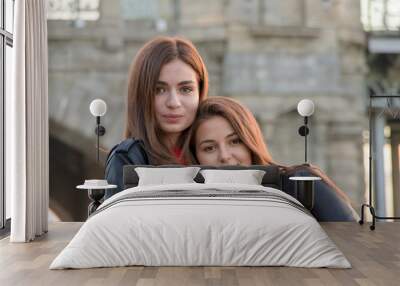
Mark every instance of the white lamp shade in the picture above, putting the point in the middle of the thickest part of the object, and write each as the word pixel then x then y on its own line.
pixel 98 107
pixel 305 107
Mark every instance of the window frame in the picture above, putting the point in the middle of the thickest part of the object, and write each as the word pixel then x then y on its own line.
pixel 6 39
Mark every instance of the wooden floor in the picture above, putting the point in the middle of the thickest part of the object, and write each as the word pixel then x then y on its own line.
pixel 374 255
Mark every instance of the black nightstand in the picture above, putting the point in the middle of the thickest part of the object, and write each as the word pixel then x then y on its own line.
pixel 304 191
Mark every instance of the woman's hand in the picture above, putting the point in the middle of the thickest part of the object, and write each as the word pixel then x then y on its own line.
pixel 315 170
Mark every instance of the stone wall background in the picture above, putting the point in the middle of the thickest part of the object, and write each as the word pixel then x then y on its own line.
pixel 269 54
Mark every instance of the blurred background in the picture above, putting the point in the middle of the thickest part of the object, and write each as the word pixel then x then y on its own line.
pixel 269 54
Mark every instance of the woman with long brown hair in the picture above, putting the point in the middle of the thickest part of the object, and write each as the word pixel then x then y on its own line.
pixel 226 133
pixel 167 81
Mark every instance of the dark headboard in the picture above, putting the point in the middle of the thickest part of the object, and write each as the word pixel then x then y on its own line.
pixel 272 177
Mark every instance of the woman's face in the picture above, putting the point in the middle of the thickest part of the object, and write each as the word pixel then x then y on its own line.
pixel 218 144
pixel 177 98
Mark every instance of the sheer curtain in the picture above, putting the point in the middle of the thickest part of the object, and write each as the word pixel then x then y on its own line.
pixel 27 147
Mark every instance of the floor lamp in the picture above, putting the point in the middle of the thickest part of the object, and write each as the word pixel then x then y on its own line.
pixel 304 190
pixel 96 188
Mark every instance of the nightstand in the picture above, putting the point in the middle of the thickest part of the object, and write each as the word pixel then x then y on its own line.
pixel 96 190
pixel 304 190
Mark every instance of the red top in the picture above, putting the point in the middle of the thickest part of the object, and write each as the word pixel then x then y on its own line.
pixel 177 153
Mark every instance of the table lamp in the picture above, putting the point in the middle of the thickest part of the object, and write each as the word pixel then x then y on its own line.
pixel 98 108
pixel 305 108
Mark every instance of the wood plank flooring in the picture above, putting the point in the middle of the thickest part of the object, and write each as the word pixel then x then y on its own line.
pixel 374 255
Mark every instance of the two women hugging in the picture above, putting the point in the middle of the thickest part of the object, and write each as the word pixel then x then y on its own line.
pixel 170 120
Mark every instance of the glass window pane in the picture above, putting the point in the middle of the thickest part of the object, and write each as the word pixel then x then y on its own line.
pixel 9 15
pixel 8 90
pixel 1 134
pixel 137 9
pixel 1 15
pixel 87 10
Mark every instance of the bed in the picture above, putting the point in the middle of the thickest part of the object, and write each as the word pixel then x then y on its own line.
pixel 201 223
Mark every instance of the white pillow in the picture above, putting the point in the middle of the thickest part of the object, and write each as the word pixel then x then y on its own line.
pixel 162 176
pixel 248 177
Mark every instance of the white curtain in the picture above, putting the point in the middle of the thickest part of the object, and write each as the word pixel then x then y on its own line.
pixel 27 147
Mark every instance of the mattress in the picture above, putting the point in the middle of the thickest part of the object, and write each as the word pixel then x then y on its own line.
pixel 201 225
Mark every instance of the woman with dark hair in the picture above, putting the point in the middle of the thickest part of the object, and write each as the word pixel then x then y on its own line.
pixel 167 80
pixel 226 133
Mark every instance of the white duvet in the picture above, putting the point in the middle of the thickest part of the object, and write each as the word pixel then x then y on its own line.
pixel 185 230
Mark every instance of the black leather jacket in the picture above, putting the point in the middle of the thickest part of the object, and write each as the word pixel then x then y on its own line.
pixel 129 152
